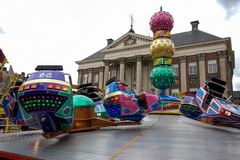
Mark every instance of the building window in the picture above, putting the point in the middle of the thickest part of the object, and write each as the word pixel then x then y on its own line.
pixel 176 81
pixel 176 69
pixel 192 66
pixel 85 78
pixel 212 66
pixel 96 78
pixel 175 91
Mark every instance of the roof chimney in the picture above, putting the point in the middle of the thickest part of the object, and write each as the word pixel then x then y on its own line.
pixel 194 25
pixel 109 41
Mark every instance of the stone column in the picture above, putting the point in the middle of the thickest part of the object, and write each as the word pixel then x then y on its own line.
pixel 79 76
pixel 202 68
pixel 183 73
pixel 114 70
pixel 139 74
pixel 100 84
pixel 222 55
pixel 150 86
pixel 167 91
pixel 90 75
pixel 106 72
pixel 122 69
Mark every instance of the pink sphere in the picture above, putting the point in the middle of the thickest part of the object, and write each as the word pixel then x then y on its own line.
pixel 161 21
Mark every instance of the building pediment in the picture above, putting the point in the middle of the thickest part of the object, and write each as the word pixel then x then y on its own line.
pixel 128 40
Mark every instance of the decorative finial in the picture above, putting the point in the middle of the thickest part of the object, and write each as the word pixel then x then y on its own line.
pixel 132 21
pixel 161 9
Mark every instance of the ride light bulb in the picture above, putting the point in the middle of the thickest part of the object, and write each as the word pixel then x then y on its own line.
pixel 228 113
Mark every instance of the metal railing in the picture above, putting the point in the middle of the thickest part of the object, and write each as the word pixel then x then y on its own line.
pixel 6 124
pixel 8 127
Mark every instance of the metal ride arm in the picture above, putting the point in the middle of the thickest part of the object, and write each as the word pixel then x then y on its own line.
pixel 11 83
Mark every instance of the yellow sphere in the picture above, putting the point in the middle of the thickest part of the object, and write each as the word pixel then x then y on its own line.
pixel 162 47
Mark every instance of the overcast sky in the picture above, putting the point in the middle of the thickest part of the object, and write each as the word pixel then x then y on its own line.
pixel 36 32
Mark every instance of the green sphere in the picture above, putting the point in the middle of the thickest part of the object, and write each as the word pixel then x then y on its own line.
pixel 163 77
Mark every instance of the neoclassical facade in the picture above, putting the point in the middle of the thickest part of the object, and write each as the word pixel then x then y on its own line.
pixel 198 57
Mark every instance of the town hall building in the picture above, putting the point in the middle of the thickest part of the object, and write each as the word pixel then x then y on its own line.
pixel 198 57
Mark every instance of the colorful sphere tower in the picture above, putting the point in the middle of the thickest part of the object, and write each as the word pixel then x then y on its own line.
pixel 162 49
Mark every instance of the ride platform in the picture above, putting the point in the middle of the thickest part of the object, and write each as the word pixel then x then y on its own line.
pixel 159 137
pixel 97 123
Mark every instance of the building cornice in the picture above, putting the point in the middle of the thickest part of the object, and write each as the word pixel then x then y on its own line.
pixel 91 64
pixel 193 49
pixel 110 53
pixel 87 61
pixel 147 45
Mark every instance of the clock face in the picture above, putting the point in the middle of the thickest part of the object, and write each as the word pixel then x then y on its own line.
pixel 130 41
